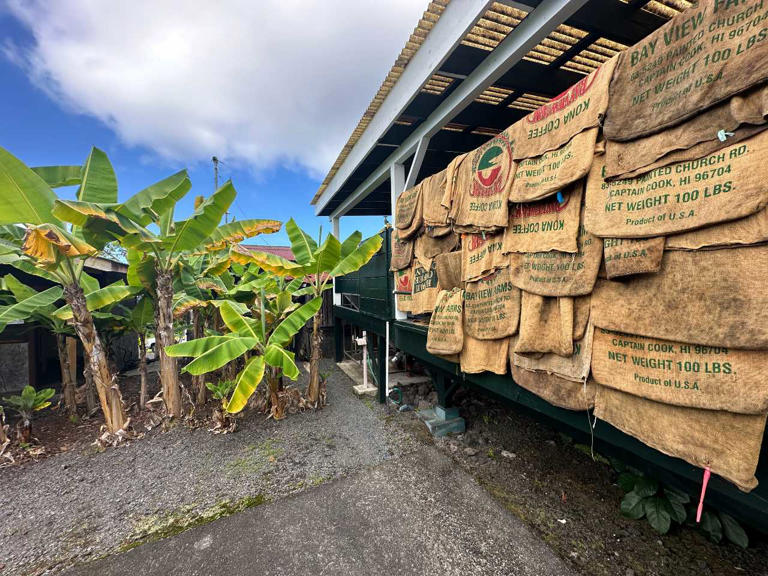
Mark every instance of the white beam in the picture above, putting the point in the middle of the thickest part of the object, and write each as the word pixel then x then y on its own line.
pixel 454 23
pixel 397 185
pixel 533 29
pixel 418 158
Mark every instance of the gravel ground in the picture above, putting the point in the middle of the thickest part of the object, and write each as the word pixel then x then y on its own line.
pixel 80 505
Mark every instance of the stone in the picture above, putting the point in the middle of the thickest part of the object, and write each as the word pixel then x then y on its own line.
pixel 470 451
pixel 506 454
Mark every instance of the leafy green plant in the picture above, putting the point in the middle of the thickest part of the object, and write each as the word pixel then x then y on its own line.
pixel 29 402
pixel 663 505
pixel 221 390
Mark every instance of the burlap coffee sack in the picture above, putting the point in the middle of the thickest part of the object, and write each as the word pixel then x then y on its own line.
pixel 726 442
pixel 402 253
pixel 480 199
pixel 546 225
pixel 559 273
pixel 432 191
pixel 700 57
pixel 451 181
pixel 491 306
pixel 557 391
pixel 546 325
pixel 581 305
pixel 542 176
pixel 708 297
pixel 682 374
pixel 437 231
pixel 424 287
pixel 628 256
pixel 574 368
pixel 484 355
pixel 409 210
pixel 627 159
pixel 742 232
pixel 448 267
pixel 446 331
pixel 426 248
pixel 482 254
pixel 404 289
pixel 726 185
pixel 579 108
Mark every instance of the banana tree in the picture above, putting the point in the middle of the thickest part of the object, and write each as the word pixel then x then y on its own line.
pixel 317 264
pixel 58 252
pixel 154 254
pixel 264 344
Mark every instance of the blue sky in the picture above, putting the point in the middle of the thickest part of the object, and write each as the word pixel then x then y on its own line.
pixel 73 78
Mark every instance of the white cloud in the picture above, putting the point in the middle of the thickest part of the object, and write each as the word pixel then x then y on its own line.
pixel 259 82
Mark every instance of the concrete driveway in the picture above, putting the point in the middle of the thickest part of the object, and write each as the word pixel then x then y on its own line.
pixel 418 514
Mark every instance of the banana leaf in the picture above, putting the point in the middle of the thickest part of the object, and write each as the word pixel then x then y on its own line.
pixel 247 381
pixel 236 232
pixel 288 328
pixel 59 176
pixel 98 182
pixel 25 198
pixel 195 230
pixel 302 245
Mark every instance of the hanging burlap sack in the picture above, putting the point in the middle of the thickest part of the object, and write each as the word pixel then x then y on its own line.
pixel 452 181
pixel 424 287
pixel 448 267
pixel 408 213
pixel 557 391
pixel 682 374
pixel 581 305
pixel 542 176
pixel 697 59
pixel 555 123
pixel 446 332
pixel 437 231
pixel 546 325
pixel 742 232
pixel 728 443
pixel 491 307
pixel 402 253
pixel 546 225
pixel 480 200
pixel 708 297
pixel 426 248
pixel 559 273
pixel 482 254
pixel 433 189
pixel 694 138
pixel 404 289
pixel 574 368
pixel 484 355
pixel 627 256
pixel 726 185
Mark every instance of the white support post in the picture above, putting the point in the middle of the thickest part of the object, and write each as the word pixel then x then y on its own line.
pixel 335 224
pixel 397 185
pixel 418 158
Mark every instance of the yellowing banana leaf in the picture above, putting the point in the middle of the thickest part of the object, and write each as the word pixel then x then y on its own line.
pixel 276 265
pixel 99 299
pixel 24 308
pixel 25 198
pixel 352 242
pixel 149 204
pixel 98 181
pixel 288 328
pixel 238 323
pixel 279 358
pixel 211 283
pixel 195 230
pixel 236 232
pixel 220 354
pixel 184 303
pixel 45 243
pixel 302 245
pixel 58 176
pixel 358 258
pixel 247 382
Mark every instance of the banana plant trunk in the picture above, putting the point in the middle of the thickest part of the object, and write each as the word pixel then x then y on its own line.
pixel 276 402
pixel 142 370
pixel 198 331
pixel 164 337
pixel 313 390
pixel 91 398
pixel 106 382
pixel 67 384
